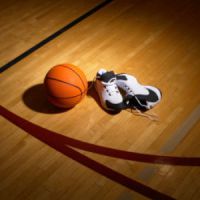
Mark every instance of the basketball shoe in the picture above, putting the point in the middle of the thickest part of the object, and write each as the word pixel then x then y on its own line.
pixel 138 96
pixel 109 94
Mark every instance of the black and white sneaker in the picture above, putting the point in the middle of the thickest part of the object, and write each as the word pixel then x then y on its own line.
pixel 138 96
pixel 109 94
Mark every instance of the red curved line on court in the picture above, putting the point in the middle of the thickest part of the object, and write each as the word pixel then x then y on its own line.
pixel 112 174
pixel 37 131
pixel 46 137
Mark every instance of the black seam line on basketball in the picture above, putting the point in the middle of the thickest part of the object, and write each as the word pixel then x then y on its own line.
pixel 66 97
pixel 54 79
pixel 74 72
pixel 54 35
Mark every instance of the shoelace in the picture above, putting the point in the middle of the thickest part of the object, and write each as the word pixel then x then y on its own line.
pixel 111 88
pixel 127 89
pixel 151 116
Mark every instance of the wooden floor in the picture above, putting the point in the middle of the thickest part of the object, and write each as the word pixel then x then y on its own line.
pixel 25 23
pixel 156 41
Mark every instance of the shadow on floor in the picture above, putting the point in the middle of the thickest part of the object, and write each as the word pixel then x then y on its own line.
pixel 35 98
pixel 93 93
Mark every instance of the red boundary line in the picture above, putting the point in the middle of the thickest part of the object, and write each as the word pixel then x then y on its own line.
pixel 58 144
pixel 37 131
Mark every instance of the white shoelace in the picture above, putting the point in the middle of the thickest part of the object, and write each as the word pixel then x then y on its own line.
pixel 151 116
pixel 111 88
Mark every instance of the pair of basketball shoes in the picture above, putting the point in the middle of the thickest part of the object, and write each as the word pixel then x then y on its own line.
pixel 123 91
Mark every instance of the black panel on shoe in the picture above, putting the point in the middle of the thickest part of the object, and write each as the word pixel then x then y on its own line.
pixel 151 97
pixel 121 77
pixel 132 103
pixel 107 77
pixel 116 107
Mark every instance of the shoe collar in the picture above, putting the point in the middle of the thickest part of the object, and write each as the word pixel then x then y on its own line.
pixel 107 77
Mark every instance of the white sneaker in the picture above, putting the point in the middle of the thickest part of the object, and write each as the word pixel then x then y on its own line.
pixel 138 96
pixel 109 94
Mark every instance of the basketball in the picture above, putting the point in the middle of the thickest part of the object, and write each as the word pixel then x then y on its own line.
pixel 66 85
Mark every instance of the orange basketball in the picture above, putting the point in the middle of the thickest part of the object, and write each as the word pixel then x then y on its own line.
pixel 66 85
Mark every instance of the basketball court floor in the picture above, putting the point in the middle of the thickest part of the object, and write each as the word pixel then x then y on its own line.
pixel 86 153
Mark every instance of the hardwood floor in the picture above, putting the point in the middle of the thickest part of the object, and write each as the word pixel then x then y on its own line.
pixel 26 23
pixel 156 41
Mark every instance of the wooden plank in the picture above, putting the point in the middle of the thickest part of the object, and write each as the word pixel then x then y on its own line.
pixel 158 43
pixel 24 24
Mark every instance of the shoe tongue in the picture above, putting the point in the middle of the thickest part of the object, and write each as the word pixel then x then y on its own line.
pixel 102 71
pixel 108 77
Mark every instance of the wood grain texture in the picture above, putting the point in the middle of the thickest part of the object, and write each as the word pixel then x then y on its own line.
pixel 156 41
pixel 25 23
